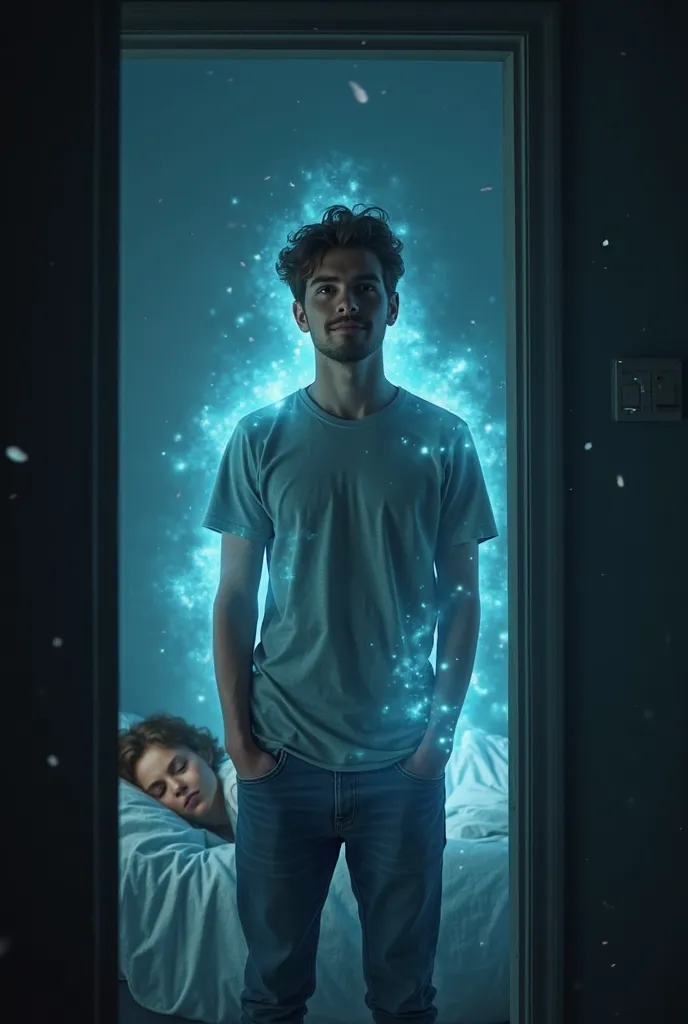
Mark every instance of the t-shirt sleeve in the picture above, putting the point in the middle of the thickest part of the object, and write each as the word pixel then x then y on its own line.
pixel 235 504
pixel 466 513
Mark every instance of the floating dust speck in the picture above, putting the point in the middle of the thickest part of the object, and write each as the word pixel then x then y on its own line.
pixel 360 95
pixel 5 944
pixel 16 454
pixel 620 481
pixel 587 445
pixel 52 760
pixel 58 641
pixel 648 714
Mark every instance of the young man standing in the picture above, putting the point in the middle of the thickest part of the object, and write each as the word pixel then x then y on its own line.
pixel 371 505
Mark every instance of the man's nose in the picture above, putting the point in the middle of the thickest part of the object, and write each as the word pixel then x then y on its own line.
pixel 348 305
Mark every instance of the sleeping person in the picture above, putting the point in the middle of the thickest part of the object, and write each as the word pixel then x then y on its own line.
pixel 177 764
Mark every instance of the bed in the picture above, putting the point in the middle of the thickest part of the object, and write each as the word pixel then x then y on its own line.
pixel 181 949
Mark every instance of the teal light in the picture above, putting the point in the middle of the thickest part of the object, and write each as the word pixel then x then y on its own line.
pixel 262 357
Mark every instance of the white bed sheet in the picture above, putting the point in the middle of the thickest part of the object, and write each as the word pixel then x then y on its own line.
pixel 181 946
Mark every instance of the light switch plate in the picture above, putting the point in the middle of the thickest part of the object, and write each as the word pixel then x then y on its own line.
pixel 647 390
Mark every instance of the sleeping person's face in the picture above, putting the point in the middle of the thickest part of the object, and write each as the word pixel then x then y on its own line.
pixel 181 780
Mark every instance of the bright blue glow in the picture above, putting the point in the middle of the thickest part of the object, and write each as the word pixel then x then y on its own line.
pixel 262 356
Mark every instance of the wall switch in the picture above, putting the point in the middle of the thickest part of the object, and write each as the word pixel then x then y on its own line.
pixel 647 390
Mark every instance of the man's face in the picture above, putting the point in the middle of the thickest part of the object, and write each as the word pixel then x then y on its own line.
pixel 347 287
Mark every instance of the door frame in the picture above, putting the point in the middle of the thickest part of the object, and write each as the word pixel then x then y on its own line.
pixel 525 37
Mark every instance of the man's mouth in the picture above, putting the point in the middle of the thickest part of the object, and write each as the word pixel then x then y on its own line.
pixel 348 325
pixel 191 801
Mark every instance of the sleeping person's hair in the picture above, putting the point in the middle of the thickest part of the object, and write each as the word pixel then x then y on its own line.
pixel 165 731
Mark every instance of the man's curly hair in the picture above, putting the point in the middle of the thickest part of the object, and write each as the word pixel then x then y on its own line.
pixel 166 731
pixel 340 228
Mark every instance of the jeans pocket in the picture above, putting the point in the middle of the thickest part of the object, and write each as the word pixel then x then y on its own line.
pixel 281 761
pixel 420 778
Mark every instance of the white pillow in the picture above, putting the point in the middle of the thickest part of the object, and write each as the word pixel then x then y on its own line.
pixel 478 787
pixel 127 719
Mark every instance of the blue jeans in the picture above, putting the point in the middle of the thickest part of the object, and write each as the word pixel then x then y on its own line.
pixel 291 825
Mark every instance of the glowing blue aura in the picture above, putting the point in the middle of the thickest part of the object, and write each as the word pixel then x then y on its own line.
pixel 252 373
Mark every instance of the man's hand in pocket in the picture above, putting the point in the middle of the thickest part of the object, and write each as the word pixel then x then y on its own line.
pixel 252 762
pixel 426 762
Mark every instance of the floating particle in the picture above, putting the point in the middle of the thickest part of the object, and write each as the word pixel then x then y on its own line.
pixel 12 497
pixel 52 760
pixel 648 714
pixel 587 445
pixel 488 188
pixel 620 481
pixel 4 945
pixel 292 185
pixel 267 178
pixel 606 242
pixel 57 641
pixel 15 454
pixel 360 95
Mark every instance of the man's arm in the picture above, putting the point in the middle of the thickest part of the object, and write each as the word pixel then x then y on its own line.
pixel 235 616
pixel 457 641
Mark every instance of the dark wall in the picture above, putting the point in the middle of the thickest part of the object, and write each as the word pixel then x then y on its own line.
pixel 627 555
pixel 626 169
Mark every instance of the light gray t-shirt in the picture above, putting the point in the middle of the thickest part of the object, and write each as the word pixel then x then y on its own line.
pixel 354 514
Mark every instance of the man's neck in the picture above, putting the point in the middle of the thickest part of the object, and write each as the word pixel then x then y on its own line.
pixel 351 402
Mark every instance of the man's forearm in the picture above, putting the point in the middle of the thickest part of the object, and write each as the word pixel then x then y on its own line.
pixel 457 642
pixel 234 631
